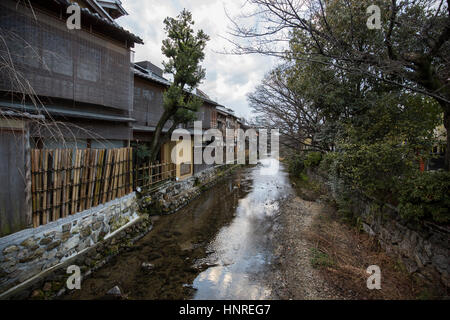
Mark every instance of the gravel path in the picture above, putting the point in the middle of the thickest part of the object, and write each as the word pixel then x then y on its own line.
pixel 293 276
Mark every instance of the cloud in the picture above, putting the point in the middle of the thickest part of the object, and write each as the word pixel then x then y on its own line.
pixel 229 78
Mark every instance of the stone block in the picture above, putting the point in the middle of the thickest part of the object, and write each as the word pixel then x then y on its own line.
pixel 85 232
pixel 71 243
pixel 53 245
pixel 45 241
pixel 66 227
pixel 28 243
pixel 97 225
pixel 10 249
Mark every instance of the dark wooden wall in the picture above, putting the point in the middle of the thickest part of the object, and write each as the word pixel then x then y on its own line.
pixel 148 105
pixel 13 206
pixel 204 115
pixel 83 129
pixel 62 63
pixel 147 102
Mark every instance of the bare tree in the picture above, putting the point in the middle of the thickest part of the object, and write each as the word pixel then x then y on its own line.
pixel 278 105
pixel 411 50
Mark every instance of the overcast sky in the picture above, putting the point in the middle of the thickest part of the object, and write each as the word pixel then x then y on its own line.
pixel 228 77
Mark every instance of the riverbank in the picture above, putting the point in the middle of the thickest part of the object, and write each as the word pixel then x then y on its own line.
pixel 323 257
pixel 51 284
pixel 293 274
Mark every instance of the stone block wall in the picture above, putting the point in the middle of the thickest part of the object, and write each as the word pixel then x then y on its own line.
pixel 172 196
pixel 33 262
pixel 30 252
pixel 424 248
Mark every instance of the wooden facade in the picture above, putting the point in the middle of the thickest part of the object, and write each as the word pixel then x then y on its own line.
pixel 71 76
pixel 84 93
pixel 147 102
pixel 149 87
pixel 14 209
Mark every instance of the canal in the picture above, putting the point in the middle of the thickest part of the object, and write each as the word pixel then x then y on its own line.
pixel 220 246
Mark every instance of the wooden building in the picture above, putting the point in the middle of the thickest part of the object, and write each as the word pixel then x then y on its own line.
pixel 226 119
pixel 80 89
pixel 59 88
pixel 79 80
pixel 149 86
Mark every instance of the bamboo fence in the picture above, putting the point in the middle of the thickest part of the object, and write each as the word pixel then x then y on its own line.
pixel 67 181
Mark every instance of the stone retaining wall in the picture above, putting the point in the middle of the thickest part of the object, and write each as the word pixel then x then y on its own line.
pixel 32 251
pixel 424 248
pixel 171 197
pixel 33 262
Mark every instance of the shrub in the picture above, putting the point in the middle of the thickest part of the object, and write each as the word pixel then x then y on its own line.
pixel 312 159
pixel 142 152
pixel 300 161
pixel 425 195
pixel 374 168
pixel 296 165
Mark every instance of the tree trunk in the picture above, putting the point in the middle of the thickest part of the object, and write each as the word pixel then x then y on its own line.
pixel 156 140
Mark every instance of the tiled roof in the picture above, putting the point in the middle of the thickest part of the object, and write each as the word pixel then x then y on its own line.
pixel 113 4
pixel 226 110
pixel 149 75
pixel 108 22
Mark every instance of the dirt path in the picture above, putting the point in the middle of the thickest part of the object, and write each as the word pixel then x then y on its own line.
pixel 295 278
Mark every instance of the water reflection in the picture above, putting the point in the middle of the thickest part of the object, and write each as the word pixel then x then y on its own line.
pixel 241 251
pixel 227 231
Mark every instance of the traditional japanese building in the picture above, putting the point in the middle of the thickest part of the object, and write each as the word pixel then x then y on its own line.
pixel 59 88
pixel 79 80
pixel 149 86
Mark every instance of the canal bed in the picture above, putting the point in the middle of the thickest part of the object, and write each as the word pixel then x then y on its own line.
pixel 220 246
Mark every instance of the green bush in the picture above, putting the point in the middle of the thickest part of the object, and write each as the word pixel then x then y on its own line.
pixel 328 163
pixel 425 195
pixel 295 165
pixel 387 174
pixel 312 159
pixel 142 152
pixel 374 168
pixel 300 161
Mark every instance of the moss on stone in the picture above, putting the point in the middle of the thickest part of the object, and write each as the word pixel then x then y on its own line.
pixel 118 222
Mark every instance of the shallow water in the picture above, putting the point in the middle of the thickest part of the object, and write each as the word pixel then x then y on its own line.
pixel 217 247
pixel 242 250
